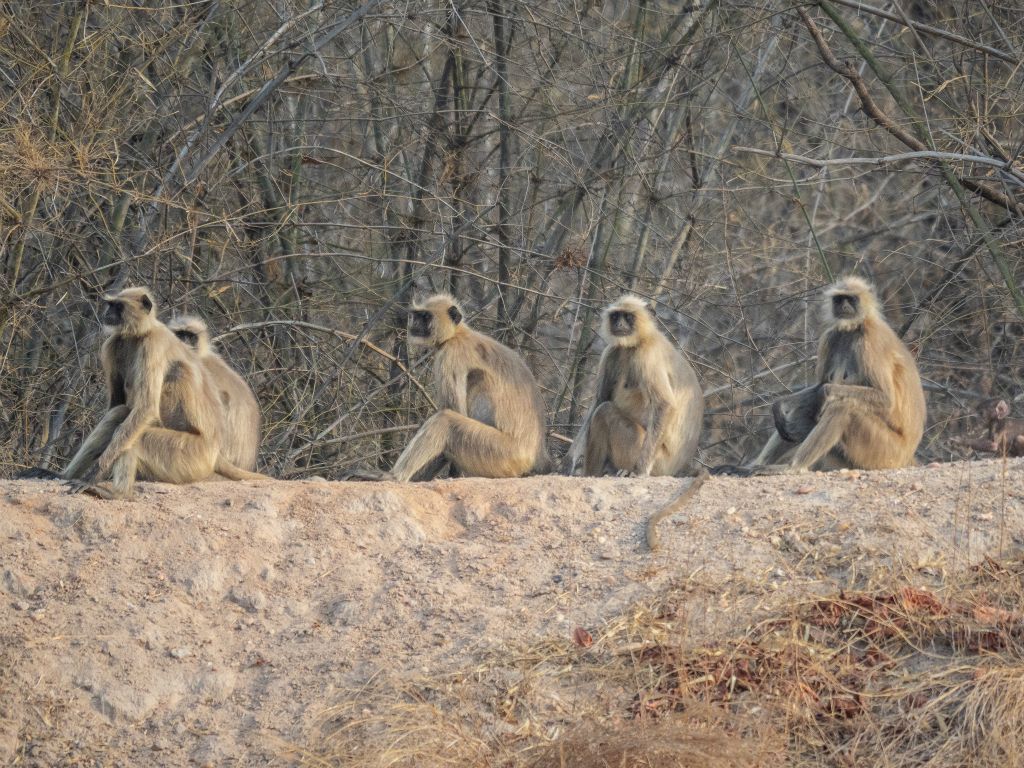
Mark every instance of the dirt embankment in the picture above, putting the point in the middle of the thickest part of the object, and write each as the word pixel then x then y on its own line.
pixel 213 624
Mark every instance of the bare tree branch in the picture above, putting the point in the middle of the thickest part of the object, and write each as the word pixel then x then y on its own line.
pixel 1009 58
pixel 1017 175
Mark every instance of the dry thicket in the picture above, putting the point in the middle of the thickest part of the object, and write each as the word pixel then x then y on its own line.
pixel 295 172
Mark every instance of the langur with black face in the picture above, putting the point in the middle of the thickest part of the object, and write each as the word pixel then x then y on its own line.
pixel 648 406
pixel 867 410
pixel 162 423
pixel 491 417
pixel 163 416
pixel 240 411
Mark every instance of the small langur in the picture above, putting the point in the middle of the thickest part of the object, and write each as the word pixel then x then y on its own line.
pixel 867 410
pixel 491 417
pixel 648 406
pixel 240 426
pixel 1005 435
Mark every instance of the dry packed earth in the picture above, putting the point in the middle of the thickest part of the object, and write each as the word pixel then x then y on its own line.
pixel 214 624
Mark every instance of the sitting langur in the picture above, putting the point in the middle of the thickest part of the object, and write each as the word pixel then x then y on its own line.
pixel 240 423
pixel 867 409
pixel 648 405
pixel 491 417
pixel 1005 436
pixel 162 421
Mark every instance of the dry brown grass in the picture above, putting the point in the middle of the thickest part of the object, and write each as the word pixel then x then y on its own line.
pixel 896 675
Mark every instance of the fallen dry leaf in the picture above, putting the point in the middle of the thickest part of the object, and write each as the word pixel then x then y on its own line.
pixel 582 638
pixel 986 614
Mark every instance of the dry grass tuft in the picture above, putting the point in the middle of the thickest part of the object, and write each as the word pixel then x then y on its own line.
pixel 678 741
pixel 411 724
pixel 29 158
pixel 897 675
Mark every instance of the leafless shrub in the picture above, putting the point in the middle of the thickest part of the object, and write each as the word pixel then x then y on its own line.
pixel 295 172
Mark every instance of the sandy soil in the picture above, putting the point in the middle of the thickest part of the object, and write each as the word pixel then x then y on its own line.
pixel 213 624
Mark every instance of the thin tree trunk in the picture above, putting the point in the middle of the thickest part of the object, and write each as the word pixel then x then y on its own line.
pixel 506 292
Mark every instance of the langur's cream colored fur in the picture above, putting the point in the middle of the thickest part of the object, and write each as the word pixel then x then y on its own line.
pixel 648 406
pixel 491 417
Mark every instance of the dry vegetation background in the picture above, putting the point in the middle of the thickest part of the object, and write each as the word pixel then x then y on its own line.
pixel 297 171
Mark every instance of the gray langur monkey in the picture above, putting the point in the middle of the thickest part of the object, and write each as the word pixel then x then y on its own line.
pixel 867 410
pixel 241 418
pixel 162 421
pixel 648 406
pixel 490 421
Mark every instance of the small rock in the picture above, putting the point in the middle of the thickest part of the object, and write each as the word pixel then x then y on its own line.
pixel 803 490
pixel 151 636
pixel 180 653
pixel 250 598
pixel 214 684
pixel 21 605
pixel 342 612
pixel 208 754
pixel 916 487
pixel 262 506
pixel 117 701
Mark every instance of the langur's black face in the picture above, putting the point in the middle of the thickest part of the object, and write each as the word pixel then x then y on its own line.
pixel 421 323
pixel 118 309
pixel 113 313
pixel 845 306
pixel 621 322
pixel 188 338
